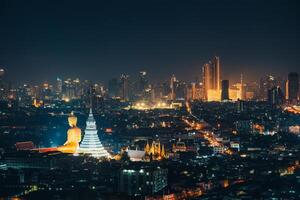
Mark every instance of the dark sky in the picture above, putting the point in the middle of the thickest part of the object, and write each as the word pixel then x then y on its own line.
pixel 40 40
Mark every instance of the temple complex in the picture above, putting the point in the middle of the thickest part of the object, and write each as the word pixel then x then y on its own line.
pixel 156 151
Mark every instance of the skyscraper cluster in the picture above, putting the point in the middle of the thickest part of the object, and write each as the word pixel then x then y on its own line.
pixel 276 90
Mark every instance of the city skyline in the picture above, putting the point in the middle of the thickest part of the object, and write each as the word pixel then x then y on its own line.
pixel 149 100
pixel 100 40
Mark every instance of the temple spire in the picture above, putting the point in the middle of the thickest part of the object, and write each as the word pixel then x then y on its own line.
pixel 91 143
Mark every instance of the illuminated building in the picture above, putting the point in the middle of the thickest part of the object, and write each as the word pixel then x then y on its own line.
pixel 225 90
pixel 211 80
pixel 91 143
pixel 293 109
pixel 250 95
pixel 24 95
pixel 37 103
pixel 240 104
pixel 124 87
pixel 275 96
pixel 73 137
pixel 155 105
pixel 235 145
pixel 293 87
pixel 155 151
pixel 59 86
pixel 191 92
pixel 179 147
pixel 266 83
pixel 3 88
pixel 236 92
pixel 173 87
pixel 142 82
pixel 244 125
pixel 213 95
pixel 242 88
pixel 69 90
pixel 113 87
pixel 136 155
pixel 142 181
pixel 2 72
pixel 27 160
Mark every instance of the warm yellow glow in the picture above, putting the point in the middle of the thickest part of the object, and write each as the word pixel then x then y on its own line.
pixel 156 150
pixel 37 104
pixel 66 99
pixel 73 138
pixel 293 109
pixel 150 106
pixel 213 95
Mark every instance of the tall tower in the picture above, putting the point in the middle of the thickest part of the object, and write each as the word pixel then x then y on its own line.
pixel 207 79
pixel 293 87
pixel 243 91
pixel 59 86
pixel 216 69
pixel 91 143
pixel 173 87
pixel 3 89
pixel 225 90
pixel 124 87
pixel 211 77
pixel 143 82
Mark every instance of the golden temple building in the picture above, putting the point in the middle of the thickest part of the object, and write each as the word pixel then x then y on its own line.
pixel 155 151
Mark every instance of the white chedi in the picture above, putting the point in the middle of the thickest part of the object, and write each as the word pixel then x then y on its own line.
pixel 91 143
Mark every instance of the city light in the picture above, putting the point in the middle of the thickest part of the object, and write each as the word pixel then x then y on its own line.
pixel 149 100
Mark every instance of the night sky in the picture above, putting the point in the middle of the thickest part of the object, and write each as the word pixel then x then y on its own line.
pixel 98 40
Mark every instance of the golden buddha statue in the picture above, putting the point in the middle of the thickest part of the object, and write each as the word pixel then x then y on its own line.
pixel 73 138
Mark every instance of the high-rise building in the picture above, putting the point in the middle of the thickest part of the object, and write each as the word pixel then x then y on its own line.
pixel 243 88
pixel 59 86
pixel 293 87
pixel 173 87
pixel 2 72
pixel 275 96
pixel 69 91
pixel 216 64
pixel 240 106
pixel 91 144
pixel 3 87
pixel 211 79
pixel 143 181
pixel 225 90
pixel 143 82
pixel 124 87
pixel 113 87
pixel 266 83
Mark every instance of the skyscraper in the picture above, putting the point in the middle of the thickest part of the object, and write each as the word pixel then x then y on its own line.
pixel 124 87
pixel 211 79
pixel 225 90
pixel 91 143
pixel 59 86
pixel 173 87
pixel 113 87
pixel 3 95
pixel 275 96
pixel 266 83
pixel 143 82
pixel 293 87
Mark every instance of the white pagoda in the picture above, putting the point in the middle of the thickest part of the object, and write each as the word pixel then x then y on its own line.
pixel 91 143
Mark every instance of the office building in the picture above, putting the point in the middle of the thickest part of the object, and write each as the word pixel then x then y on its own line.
pixel 225 90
